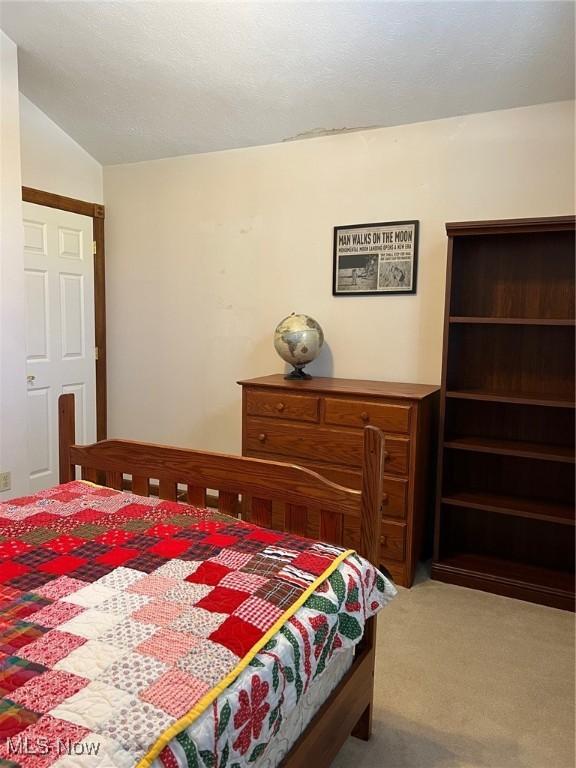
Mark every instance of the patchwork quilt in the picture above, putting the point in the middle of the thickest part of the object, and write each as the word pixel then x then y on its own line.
pixel 126 622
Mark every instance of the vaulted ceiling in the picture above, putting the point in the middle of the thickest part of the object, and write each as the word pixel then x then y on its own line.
pixel 141 80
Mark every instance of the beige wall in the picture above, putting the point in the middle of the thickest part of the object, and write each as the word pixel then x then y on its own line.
pixel 52 161
pixel 207 253
pixel 12 352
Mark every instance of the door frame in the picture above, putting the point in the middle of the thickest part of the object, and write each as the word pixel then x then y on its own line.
pixel 96 211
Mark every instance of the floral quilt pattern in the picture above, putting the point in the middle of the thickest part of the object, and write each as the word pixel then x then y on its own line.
pixel 126 621
pixel 238 728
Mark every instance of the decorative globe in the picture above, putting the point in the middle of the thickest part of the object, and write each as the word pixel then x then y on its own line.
pixel 298 340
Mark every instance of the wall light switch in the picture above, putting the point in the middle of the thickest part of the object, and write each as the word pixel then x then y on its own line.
pixel 5 480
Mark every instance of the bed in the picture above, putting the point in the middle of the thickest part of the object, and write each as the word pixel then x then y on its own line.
pixel 281 650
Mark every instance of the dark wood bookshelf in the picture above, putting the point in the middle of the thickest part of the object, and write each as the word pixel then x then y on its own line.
pixel 518 506
pixel 507 577
pixel 523 448
pixel 505 493
pixel 513 321
pixel 527 398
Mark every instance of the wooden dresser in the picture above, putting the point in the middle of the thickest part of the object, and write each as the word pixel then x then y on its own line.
pixel 318 424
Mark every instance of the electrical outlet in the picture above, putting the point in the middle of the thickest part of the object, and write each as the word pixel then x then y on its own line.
pixel 5 480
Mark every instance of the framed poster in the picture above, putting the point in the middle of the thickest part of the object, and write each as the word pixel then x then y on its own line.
pixel 373 259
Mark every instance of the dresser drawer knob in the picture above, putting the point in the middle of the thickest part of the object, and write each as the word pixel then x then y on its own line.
pixel 365 416
pixel 383 540
pixel 262 437
pixel 280 407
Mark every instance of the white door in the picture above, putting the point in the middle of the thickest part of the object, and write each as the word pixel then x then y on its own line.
pixel 60 351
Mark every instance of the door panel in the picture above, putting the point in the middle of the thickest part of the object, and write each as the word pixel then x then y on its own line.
pixel 59 268
pixel 34 236
pixel 72 315
pixel 37 327
pixel 70 243
pixel 39 433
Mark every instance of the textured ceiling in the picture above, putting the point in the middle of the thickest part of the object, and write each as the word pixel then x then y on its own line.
pixel 140 80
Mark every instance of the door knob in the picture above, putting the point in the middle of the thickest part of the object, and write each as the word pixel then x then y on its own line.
pixel 30 379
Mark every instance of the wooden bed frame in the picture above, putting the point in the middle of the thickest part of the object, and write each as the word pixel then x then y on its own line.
pixel 274 495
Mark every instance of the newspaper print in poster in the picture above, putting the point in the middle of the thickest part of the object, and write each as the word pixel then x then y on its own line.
pixel 376 258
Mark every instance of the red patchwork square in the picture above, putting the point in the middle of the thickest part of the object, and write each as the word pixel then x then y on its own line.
pixel 63 564
pixel 115 537
pixel 208 572
pixel 152 585
pixel 176 692
pixel 23 501
pixel 13 548
pixel 222 600
pixel 64 544
pixel 312 563
pixel 171 507
pixel 134 510
pixel 53 732
pixel 237 635
pixel 159 612
pixel 259 613
pixel 65 496
pixel 220 540
pixel 88 516
pixel 245 582
pixel 168 645
pixel 60 587
pixel 105 492
pixel 57 613
pixel 44 692
pixel 267 537
pixel 10 570
pixel 44 519
pixel 162 530
pixel 170 547
pixel 118 556
pixel 51 647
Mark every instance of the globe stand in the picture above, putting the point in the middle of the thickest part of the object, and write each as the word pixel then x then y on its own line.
pixel 298 374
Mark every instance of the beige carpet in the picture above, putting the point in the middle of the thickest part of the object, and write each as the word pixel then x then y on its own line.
pixel 466 679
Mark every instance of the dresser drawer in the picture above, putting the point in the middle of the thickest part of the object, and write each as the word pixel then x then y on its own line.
pixel 300 441
pixel 336 446
pixel 282 405
pixel 397 491
pixel 392 541
pixel 359 413
pixel 397 455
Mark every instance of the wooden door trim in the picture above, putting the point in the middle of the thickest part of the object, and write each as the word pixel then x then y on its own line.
pixel 96 211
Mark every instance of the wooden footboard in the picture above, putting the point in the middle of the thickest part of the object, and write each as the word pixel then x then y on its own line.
pixel 303 502
pixel 278 496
